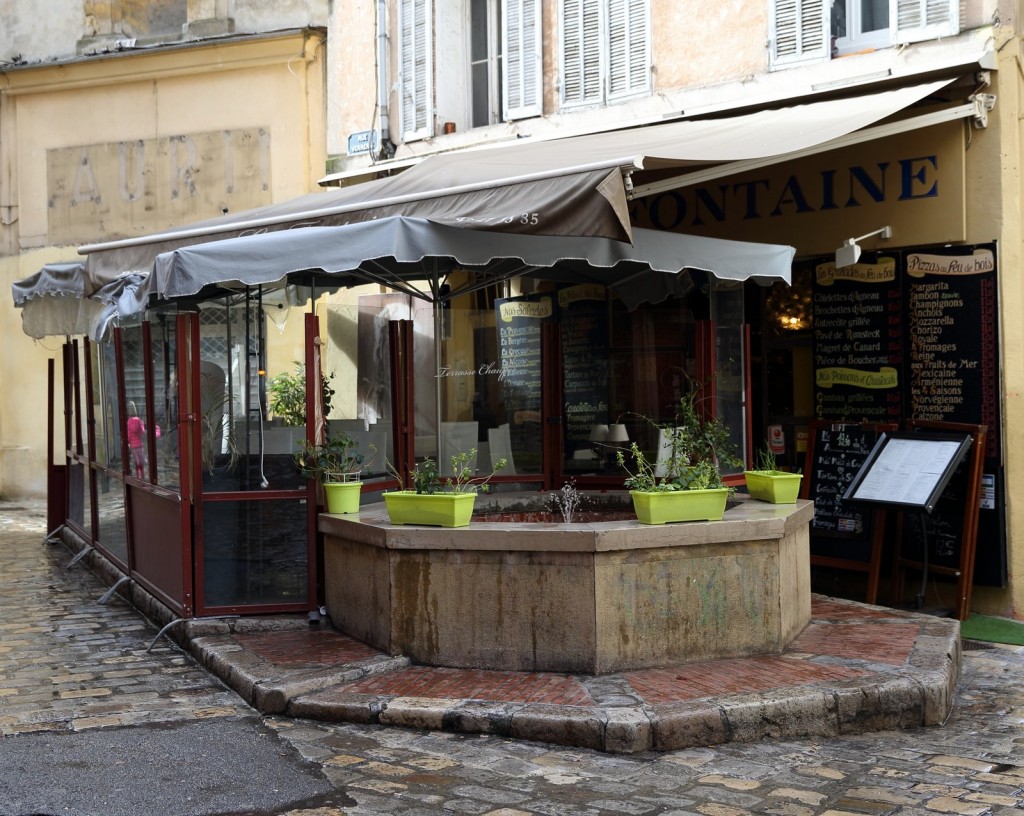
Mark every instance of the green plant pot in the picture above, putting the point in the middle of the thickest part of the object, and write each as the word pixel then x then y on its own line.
pixel 665 506
pixel 433 509
pixel 775 486
pixel 342 497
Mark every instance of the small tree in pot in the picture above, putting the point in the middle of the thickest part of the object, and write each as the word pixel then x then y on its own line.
pixel 336 464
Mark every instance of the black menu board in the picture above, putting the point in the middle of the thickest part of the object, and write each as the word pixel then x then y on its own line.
pixel 835 455
pixel 519 323
pixel 584 316
pixel 951 324
pixel 840 530
pixel 858 340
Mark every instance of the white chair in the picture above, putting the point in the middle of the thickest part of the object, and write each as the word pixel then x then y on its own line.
pixel 456 438
pixel 373 446
pixel 664 452
pixel 500 443
pixel 349 426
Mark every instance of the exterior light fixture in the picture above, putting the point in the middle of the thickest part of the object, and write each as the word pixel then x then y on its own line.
pixel 849 253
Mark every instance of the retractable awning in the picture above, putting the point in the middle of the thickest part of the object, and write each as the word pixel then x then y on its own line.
pixel 414 255
pixel 52 301
pixel 577 186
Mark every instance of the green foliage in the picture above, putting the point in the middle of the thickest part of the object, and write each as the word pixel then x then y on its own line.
pixel 337 459
pixel 766 460
pixel 698 448
pixel 426 478
pixel 287 395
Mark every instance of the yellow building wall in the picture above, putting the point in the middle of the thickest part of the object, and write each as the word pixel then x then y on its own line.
pixel 994 211
pixel 264 96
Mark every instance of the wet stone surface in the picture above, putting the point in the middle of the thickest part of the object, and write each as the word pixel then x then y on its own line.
pixel 72 668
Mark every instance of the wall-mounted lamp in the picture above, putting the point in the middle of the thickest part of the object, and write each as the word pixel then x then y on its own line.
pixel 849 253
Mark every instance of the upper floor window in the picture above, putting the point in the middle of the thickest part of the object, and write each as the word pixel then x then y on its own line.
pixel 605 51
pixel 473 72
pixel 812 30
pixel 415 22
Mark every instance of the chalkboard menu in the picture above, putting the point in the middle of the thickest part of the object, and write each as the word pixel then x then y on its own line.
pixel 858 340
pixel 519 323
pixel 835 455
pixel 841 530
pixel 911 335
pixel 951 318
pixel 584 316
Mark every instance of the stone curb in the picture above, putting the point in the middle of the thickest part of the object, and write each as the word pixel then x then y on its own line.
pixel 916 694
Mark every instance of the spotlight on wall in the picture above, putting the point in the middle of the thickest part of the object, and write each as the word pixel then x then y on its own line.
pixel 849 253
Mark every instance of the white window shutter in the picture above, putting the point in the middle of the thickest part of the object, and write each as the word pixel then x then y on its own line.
pixel 799 31
pixel 581 52
pixel 415 31
pixel 917 20
pixel 629 52
pixel 523 75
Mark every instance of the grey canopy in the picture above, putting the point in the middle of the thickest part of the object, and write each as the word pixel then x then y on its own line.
pixel 414 255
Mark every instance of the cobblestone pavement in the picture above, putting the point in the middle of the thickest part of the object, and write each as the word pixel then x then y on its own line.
pixel 68 662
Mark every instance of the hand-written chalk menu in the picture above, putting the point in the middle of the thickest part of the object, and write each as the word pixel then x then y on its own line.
pixel 834 456
pixel 584 323
pixel 951 323
pixel 519 342
pixel 858 341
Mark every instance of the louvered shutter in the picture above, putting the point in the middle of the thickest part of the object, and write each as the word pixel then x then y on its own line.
pixel 417 69
pixel 799 31
pixel 522 78
pixel 581 52
pixel 924 19
pixel 629 48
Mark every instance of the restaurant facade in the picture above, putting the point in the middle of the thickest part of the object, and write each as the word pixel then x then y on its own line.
pixel 537 362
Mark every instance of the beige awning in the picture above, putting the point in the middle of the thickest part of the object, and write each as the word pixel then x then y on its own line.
pixel 578 186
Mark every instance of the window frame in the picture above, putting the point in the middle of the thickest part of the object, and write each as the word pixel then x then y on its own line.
pixel 799 31
pixel 416 69
pixel 588 56
pixel 522 75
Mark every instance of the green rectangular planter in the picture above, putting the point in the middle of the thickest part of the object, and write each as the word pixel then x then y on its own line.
pixel 775 486
pixel 666 506
pixel 430 509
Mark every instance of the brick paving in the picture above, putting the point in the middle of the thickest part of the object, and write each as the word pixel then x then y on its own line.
pixel 68 663
pixel 862 635
pixel 697 681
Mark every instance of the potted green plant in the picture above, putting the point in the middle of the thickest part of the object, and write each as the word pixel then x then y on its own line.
pixel 286 395
pixel 685 482
pixel 767 483
pixel 335 464
pixel 434 499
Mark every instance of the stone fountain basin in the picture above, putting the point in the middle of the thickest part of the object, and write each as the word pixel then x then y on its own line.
pixel 586 597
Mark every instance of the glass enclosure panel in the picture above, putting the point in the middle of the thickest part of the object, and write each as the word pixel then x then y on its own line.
pixel 487 381
pixel 113 536
pixel 78 493
pixel 163 339
pixel 135 400
pixel 727 300
pixel 243 448
pixel 74 413
pixel 106 408
pixel 357 363
pixel 653 365
pixel 254 553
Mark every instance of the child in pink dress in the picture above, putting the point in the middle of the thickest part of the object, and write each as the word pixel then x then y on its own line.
pixel 135 429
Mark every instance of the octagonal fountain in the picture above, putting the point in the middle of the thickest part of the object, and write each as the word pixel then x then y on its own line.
pixel 590 596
